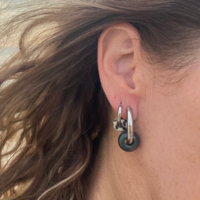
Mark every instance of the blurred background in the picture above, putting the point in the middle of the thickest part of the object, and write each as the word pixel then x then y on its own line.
pixel 8 9
pixel 9 49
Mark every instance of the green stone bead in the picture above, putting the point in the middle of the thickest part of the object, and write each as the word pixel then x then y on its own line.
pixel 128 147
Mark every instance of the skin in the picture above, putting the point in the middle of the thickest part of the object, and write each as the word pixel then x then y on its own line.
pixel 166 165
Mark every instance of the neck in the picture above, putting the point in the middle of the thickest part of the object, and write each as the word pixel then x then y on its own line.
pixel 117 174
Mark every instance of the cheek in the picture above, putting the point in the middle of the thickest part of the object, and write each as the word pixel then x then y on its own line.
pixel 169 128
pixel 189 100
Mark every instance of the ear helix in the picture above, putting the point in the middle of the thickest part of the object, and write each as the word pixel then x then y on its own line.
pixel 128 140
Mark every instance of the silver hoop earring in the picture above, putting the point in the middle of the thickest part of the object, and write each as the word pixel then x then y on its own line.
pixel 128 140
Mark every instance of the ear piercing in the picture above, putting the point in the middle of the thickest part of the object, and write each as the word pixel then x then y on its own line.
pixel 128 140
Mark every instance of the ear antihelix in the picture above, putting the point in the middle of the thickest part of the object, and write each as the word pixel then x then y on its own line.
pixel 127 47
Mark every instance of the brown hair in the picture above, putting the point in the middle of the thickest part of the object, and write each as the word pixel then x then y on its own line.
pixel 51 100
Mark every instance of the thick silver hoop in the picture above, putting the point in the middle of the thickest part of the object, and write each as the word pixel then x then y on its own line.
pixel 130 128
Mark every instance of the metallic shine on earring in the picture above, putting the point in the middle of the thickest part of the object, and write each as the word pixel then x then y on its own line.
pixel 128 140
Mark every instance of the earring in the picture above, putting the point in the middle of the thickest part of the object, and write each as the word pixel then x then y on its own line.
pixel 128 140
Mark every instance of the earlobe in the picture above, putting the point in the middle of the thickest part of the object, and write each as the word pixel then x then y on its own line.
pixel 118 61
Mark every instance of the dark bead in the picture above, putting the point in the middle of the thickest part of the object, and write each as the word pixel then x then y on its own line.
pixel 128 147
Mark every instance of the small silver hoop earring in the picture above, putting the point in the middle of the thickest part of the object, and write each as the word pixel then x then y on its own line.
pixel 128 140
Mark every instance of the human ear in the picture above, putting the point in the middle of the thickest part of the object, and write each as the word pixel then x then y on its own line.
pixel 120 66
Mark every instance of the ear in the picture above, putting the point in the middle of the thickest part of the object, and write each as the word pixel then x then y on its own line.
pixel 120 67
